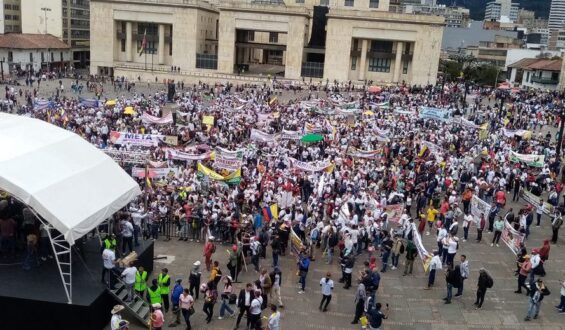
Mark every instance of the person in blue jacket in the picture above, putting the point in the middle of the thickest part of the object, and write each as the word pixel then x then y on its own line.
pixel 175 300
pixel 303 265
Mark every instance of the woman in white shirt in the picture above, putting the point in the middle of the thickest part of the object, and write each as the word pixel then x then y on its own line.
pixel 186 303
pixel 274 319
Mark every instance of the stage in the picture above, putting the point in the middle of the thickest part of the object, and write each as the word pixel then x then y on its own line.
pixel 36 299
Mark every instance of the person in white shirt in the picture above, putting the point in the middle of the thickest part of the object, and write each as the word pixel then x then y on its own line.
pixel 255 310
pixel 327 285
pixel 116 323
pixel 441 235
pixel 274 319
pixel 435 265
pixel 128 275
pixel 109 259
pixel 127 235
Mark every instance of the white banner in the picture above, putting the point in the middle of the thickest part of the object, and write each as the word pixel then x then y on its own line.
pixel 235 154
pixel 146 140
pixel 290 135
pixel 478 207
pixel 511 133
pixel 228 163
pixel 139 172
pixel 464 122
pixel 530 160
pixel 309 167
pixel 534 200
pixel 512 238
pixel 257 135
pixel 147 118
pixel 175 154
pixel 435 113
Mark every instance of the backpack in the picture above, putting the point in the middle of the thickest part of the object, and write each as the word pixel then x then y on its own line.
pixel 490 282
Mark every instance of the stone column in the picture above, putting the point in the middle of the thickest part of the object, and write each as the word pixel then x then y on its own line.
pixel 226 43
pixel 398 61
pixel 294 48
pixel 161 49
pixel 129 35
pixel 363 61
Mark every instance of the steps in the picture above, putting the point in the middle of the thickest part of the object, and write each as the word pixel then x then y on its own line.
pixel 138 306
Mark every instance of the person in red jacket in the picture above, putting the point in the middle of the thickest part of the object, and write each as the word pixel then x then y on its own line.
pixel 209 249
pixel 481 227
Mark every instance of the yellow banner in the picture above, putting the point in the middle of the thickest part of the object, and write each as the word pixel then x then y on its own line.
pixel 208 120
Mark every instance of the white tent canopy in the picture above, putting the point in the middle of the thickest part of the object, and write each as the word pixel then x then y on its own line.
pixel 65 179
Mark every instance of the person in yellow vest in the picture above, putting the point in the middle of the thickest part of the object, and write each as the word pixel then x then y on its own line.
pixel 110 242
pixel 154 292
pixel 164 281
pixel 140 281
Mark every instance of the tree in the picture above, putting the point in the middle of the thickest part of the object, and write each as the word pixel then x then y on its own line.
pixel 485 74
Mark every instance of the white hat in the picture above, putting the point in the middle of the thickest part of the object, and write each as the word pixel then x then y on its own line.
pixel 211 238
pixel 197 263
pixel 117 309
pixel 156 305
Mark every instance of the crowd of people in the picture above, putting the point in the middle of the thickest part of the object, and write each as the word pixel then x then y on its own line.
pixel 356 173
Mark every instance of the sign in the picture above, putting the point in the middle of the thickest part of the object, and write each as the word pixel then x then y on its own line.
pixel 175 154
pixel 424 255
pixel 511 237
pixel 373 154
pixel 139 172
pixel 146 140
pixel 295 243
pixel 257 135
pixel 435 114
pixel 290 135
pixel 534 200
pixel 464 122
pixel 172 140
pixel 478 207
pixel 147 118
pixel 234 177
pixel 228 163
pixel 309 167
pixel 530 160
pixel 208 120
pixel 394 212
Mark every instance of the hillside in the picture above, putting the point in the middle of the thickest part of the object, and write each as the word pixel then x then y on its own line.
pixel 477 7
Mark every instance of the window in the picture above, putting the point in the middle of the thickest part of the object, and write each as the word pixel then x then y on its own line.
pixel 380 46
pixel 379 64
pixel 354 63
pixel 52 57
pixel 31 57
pixel 324 2
pixel 528 77
pixel 8 28
pixel 42 57
pixel 123 45
pixel 7 17
pixel 61 56
pixel 299 1
pixel 555 76
pixel 273 37
pixel 250 35
pixel 7 6
pixel 15 17
pixel 373 3
pixel 405 67
pixel 10 57
pixel 348 3
pixel 171 42
pixel 16 7
pixel 152 36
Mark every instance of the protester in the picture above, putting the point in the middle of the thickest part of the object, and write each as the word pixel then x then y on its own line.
pixel 537 292
pixel 327 285
pixel 186 307
pixel 116 320
pixel 484 282
pixel 157 317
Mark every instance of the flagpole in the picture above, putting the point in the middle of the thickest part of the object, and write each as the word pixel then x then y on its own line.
pixel 145 52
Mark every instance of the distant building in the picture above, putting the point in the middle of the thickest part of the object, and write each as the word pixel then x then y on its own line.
pixel 500 10
pixel 11 16
pixel 495 51
pixel 536 73
pixel 32 52
pixel 455 38
pixel 556 22
pixel 454 16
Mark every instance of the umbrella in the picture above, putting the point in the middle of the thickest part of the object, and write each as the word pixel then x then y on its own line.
pixel 111 102
pixel 129 111
pixel 374 89
pixel 312 138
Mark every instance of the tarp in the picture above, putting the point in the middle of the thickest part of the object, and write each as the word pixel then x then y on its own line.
pixel 66 180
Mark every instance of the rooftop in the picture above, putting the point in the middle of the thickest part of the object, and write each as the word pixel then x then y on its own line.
pixel 541 64
pixel 31 41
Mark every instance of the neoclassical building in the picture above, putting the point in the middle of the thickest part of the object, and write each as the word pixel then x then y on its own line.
pixel 330 39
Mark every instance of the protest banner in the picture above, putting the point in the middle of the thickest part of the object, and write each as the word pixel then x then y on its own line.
pixel 257 135
pixel 228 163
pixel 139 172
pixel 401 111
pixel 145 140
pixel 423 254
pixel 530 160
pixel 373 154
pixel 233 178
pixel 179 155
pixel 534 200
pixel 290 135
pixel 147 118
pixel 295 243
pixel 309 167
pixel 435 114
pixel 478 207
pixel 172 140
pixel 511 237
pixel 394 212
pixel 464 122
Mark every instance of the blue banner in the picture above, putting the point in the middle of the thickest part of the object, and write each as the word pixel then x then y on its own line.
pixel 434 113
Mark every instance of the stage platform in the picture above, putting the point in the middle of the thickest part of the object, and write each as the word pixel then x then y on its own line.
pixel 36 299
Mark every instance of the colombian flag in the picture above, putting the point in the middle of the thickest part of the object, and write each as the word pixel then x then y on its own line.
pixel 270 213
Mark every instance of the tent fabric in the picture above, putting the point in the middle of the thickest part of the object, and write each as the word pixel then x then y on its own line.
pixel 67 181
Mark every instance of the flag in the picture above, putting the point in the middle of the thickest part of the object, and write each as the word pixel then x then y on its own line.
pixel 270 213
pixel 143 43
pixel 275 211
pixel 424 152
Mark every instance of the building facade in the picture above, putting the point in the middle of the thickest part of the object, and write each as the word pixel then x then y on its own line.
pixel 327 39
pixel 536 73
pixel 11 14
pixel 454 16
pixel 502 10
pixel 556 22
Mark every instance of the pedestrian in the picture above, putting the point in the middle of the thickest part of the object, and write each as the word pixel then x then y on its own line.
pixel 397 247
pixel 154 293
pixel 376 316
pixel 464 268
pixel 276 279
pixel 303 265
pixel 411 253
pixel 480 227
pixel 127 235
pixel 255 247
pixel 452 243
pixel 255 311
pixel 140 281
pixel 157 317
pixel 561 306
pixel 386 247
pixel 453 280
pixel 226 293
pixel 128 276
pixel 194 279
pixel 109 260
pixel 360 298
pixel 466 223
pixel 164 281
pixel 116 320
pixel 175 301
pixel 244 303
pixel 435 265
pixel 209 249
pixel 327 285
pixel 539 212
pixel 349 262
pixel 210 298
pixel 537 292
pixel 525 269
pixel 274 322
pixel 536 262
pixel 484 282
pixel 186 307
pixel 498 225
pixel 556 223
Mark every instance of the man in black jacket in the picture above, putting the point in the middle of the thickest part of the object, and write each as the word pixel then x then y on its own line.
pixel 484 282
pixel 453 280
pixel 244 303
